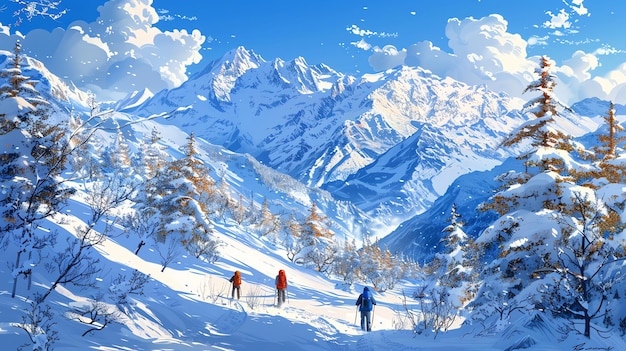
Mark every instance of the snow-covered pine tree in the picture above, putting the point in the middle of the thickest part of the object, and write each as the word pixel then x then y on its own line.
pixel 446 265
pixel 153 154
pixel 524 232
pixel 450 279
pixel 36 154
pixel 584 266
pixel 181 194
pixel 269 224
pixel 538 128
pixel 591 245
pixel 611 141
pixel 144 220
pixel 456 265
pixel 370 258
pixel 611 167
pixel 119 154
pixel 392 269
pixel 557 237
pixel 292 238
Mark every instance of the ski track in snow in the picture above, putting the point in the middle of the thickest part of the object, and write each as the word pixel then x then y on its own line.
pixel 364 344
pixel 324 326
pixel 231 320
pixel 386 340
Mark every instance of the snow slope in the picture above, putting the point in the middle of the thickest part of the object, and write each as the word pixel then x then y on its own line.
pixel 187 307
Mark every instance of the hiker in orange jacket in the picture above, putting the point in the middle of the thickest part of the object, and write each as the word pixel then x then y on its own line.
pixel 281 286
pixel 236 280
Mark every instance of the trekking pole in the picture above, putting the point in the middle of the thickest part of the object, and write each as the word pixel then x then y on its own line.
pixel 373 310
pixel 356 312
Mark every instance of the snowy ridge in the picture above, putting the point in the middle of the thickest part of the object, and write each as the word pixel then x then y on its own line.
pixel 133 100
pixel 62 95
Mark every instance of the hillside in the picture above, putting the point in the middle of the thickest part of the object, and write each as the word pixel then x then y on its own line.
pixel 188 307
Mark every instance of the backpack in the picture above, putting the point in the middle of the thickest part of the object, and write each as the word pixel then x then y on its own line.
pixel 237 279
pixel 282 280
pixel 366 301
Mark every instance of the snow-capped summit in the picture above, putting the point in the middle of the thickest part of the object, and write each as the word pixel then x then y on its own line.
pixel 221 75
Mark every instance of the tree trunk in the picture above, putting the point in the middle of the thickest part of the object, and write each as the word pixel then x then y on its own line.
pixel 141 244
pixel 17 264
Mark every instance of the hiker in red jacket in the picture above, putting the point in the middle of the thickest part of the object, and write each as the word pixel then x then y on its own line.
pixel 236 280
pixel 281 286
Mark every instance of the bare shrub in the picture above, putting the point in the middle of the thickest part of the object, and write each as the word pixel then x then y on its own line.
pixel 253 299
pixel 209 290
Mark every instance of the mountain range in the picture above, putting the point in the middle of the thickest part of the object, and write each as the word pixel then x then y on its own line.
pixel 381 149
pixel 391 143
pixel 341 133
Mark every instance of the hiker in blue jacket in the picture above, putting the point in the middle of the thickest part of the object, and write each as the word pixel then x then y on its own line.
pixel 366 304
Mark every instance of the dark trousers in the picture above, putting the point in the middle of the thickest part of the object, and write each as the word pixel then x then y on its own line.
pixel 281 296
pixel 366 320
pixel 238 288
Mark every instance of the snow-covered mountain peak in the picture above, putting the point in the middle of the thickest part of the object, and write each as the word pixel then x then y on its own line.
pixel 221 76
pixel 239 60
pixel 321 127
pixel 309 79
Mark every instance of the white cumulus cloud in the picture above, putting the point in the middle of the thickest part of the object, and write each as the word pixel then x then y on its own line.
pixel 362 44
pixel 122 51
pixel 482 51
pixel 560 20
pixel 578 7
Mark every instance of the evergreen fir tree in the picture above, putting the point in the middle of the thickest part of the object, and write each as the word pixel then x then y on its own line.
pixel 154 155
pixel 579 271
pixel 293 243
pixel 538 130
pixel 452 271
pixel 556 239
pixel 269 224
pixel 181 193
pixel 30 166
pixel 611 168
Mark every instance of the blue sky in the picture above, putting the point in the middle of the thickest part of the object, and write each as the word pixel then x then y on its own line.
pixel 488 41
